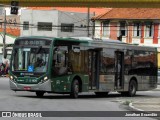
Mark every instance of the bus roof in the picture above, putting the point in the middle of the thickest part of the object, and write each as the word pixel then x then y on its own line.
pixel 32 37
pixel 72 39
pixel 121 46
pixel 55 38
pixel 95 42
pixel 113 43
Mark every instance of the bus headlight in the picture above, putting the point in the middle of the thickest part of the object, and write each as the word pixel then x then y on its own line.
pixel 11 77
pixel 45 78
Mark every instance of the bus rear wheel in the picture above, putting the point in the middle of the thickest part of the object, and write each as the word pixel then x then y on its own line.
pixel 39 94
pixel 132 88
pixel 74 89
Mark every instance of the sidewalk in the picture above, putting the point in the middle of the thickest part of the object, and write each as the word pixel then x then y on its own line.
pixel 150 104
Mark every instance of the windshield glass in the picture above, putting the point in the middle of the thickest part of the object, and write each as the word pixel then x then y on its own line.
pixel 30 59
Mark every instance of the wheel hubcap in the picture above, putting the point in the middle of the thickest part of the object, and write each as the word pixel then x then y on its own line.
pixel 76 88
pixel 132 88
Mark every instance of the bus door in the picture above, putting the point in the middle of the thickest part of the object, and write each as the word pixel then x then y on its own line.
pixel 94 63
pixel 119 70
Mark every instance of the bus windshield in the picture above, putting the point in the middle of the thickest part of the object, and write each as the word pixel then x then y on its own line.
pixel 33 59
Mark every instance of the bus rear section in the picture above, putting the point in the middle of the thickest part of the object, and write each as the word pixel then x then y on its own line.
pixel 126 68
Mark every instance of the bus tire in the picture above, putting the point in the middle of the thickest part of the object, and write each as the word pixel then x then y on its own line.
pixel 132 88
pixel 39 94
pixel 101 94
pixel 74 89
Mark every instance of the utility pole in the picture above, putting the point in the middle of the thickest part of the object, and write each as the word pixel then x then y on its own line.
pixel 93 26
pixel 4 34
pixel 88 20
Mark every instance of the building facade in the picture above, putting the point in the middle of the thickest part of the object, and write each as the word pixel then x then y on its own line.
pixel 130 25
pixel 53 23
pixel 12 31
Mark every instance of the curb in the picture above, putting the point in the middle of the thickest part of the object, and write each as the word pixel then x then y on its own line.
pixel 158 89
pixel 134 108
pixel 143 111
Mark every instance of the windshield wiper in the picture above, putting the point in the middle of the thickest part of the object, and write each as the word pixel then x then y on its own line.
pixel 39 49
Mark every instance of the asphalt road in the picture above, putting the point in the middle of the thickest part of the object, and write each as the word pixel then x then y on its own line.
pixel 27 101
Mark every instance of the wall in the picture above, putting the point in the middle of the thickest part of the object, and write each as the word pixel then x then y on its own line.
pixel 35 16
pixel 78 19
pixel 12 21
pixel 97 33
pixel 56 17
pixel 113 30
pixel 129 38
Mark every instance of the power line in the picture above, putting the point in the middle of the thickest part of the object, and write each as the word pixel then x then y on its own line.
pixel 76 28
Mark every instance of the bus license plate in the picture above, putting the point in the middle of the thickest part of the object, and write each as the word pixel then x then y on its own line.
pixel 27 88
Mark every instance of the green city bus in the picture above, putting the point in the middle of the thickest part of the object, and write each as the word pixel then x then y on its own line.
pixel 73 65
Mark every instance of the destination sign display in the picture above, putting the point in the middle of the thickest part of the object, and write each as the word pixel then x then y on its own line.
pixel 33 42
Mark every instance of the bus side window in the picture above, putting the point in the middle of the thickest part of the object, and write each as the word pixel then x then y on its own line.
pixel 59 62
pixel 54 71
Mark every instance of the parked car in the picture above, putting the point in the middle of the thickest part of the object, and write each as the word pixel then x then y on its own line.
pixel 159 77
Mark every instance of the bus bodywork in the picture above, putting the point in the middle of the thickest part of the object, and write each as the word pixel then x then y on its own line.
pixel 70 65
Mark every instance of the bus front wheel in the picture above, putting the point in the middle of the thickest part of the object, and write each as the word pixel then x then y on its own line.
pixel 74 89
pixel 39 93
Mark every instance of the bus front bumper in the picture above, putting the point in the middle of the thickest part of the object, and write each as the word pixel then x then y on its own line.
pixel 46 86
